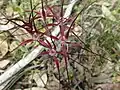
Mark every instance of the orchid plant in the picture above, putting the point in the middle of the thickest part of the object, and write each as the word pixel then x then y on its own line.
pixel 59 44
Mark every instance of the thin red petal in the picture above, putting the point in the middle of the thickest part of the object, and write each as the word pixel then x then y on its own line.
pixel 61 30
pixel 52 24
pixel 44 44
pixel 76 44
pixel 54 15
pixel 54 37
pixel 49 43
pixel 43 11
pixel 44 53
pixel 26 41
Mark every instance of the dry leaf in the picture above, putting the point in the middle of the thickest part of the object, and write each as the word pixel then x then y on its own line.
pixel 40 80
pixel 3 47
pixel 34 88
pixel 108 87
pixel 4 63
pixel 116 79
pixel 6 27
pixel 20 34
pixel 13 45
pixel 1 71
pixel 107 13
